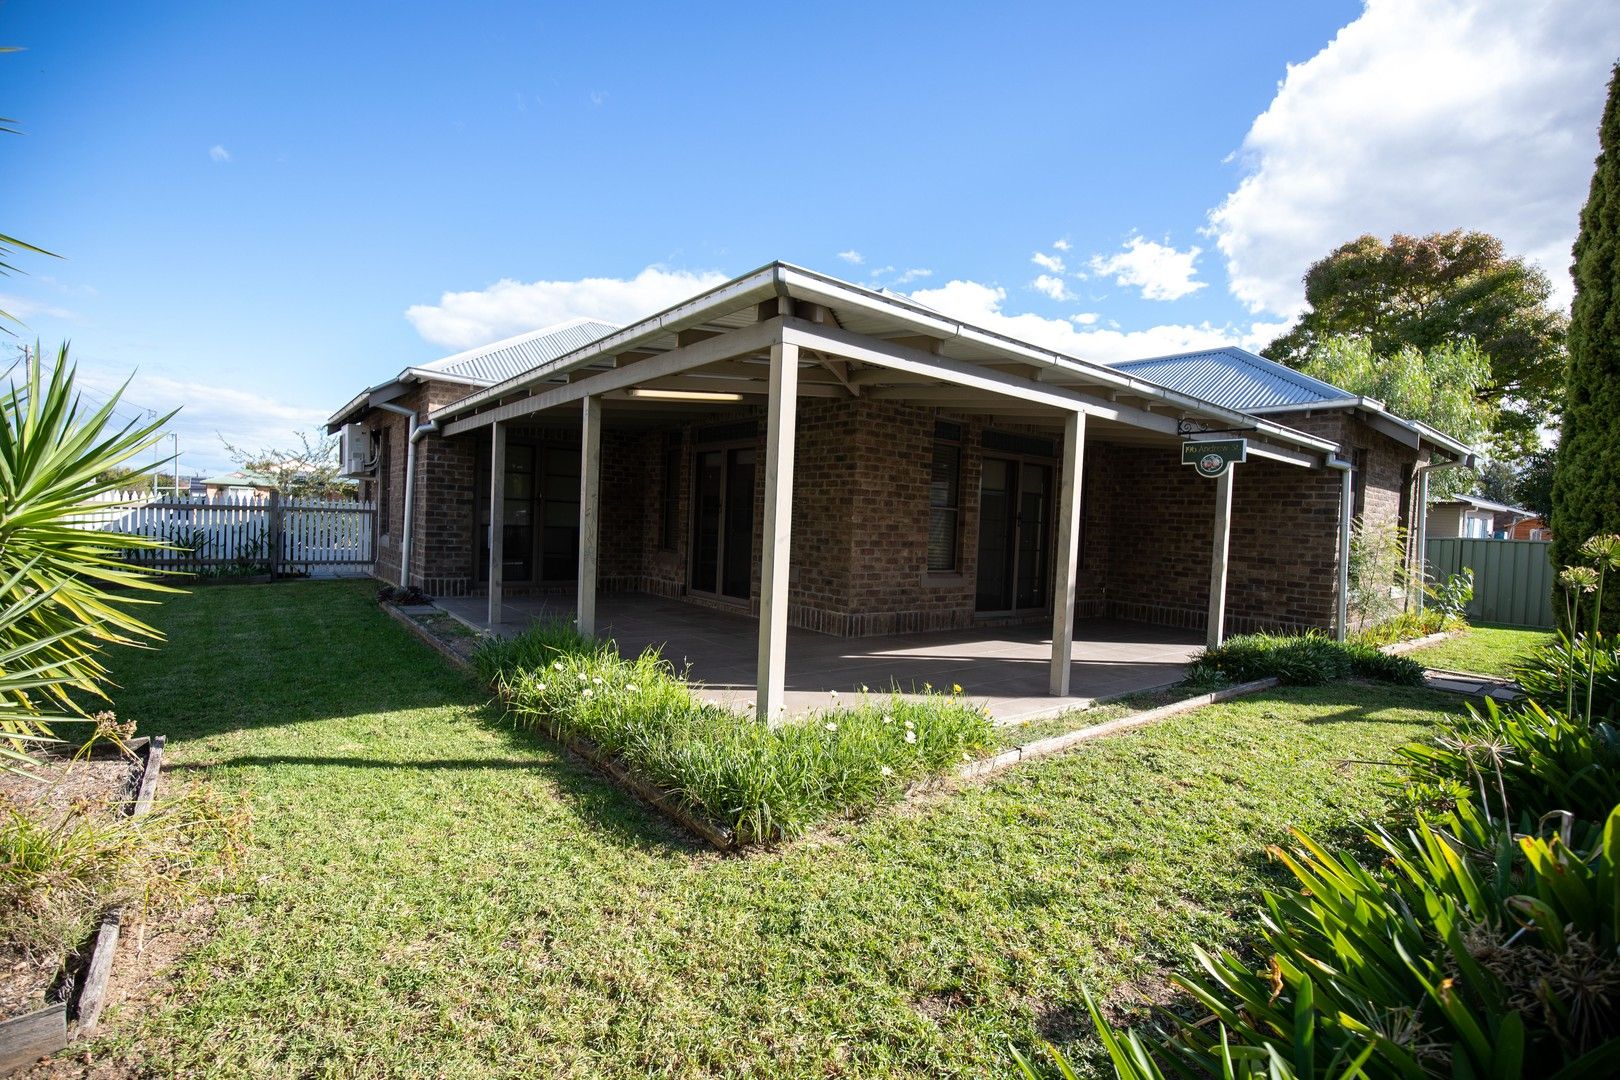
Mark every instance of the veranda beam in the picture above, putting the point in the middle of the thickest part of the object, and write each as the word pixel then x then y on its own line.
pixel 497 520
pixel 749 339
pixel 780 434
pixel 1217 562
pixel 590 497
pixel 1068 550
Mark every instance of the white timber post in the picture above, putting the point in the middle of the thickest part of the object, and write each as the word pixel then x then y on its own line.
pixel 1217 562
pixel 1347 508
pixel 1420 559
pixel 590 499
pixel 497 520
pixel 780 432
pixel 1068 550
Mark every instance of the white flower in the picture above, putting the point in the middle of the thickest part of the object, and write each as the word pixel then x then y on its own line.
pixel 887 719
pixel 597 680
pixel 581 676
pixel 966 756
pixel 539 686
pixel 909 724
pixel 833 694
pixel 557 665
pixel 886 771
pixel 830 726
pixel 586 692
pixel 911 736
pixel 632 687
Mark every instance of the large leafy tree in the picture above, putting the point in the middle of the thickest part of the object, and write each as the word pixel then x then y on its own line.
pixel 1422 292
pixel 1439 386
pixel 1586 482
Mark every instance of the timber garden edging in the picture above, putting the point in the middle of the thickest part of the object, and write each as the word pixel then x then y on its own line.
pixel 27 1038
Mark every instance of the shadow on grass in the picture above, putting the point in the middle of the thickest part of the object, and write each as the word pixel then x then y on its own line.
pixel 253 661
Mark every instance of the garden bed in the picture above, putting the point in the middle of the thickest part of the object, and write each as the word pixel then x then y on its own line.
pixel 56 957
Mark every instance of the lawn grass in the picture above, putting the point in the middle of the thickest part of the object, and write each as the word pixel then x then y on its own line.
pixel 430 892
pixel 1483 650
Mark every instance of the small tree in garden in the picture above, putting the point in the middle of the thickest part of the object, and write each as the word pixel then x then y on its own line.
pixel 1377 573
pixel 1586 482
pixel 1441 386
pixel 63 588
pixel 306 471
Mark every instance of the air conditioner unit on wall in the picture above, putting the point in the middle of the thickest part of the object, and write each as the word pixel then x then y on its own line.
pixel 356 453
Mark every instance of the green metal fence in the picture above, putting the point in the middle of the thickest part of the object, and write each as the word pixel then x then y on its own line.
pixel 1513 579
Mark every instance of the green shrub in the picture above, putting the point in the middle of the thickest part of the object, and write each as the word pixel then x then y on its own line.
pixel 764 782
pixel 1455 950
pixel 1554 675
pixel 1522 762
pixel 1406 626
pixel 1298 660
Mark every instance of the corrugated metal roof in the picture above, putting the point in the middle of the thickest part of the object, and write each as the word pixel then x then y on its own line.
pixel 502 360
pixel 1235 378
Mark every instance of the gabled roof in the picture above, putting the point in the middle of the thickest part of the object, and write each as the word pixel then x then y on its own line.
pixel 1235 378
pixel 502 360
pixel 1239 379
pixel 484 366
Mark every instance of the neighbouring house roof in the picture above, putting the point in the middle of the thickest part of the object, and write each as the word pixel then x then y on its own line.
pixel 1235 378
pixel 1476 503
pixel 239 478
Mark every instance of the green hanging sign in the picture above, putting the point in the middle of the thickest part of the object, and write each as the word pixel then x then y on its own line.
pixel 1212 457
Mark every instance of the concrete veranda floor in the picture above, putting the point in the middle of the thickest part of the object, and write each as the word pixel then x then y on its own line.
pixel 1004 667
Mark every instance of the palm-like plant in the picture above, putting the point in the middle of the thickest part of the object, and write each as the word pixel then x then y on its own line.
pixel 64 587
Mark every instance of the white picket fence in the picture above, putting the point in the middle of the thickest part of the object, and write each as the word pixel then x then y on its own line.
pixel 271 533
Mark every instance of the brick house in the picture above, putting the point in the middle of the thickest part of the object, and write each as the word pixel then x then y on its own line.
pixel 819 455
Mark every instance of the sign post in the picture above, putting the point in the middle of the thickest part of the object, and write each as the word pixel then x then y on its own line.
pixel 1214 458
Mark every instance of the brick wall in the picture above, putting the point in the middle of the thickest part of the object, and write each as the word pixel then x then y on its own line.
pixel 861 509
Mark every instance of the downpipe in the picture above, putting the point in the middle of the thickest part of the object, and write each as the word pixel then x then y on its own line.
pixel 417 430
pixel 1420 557
pixel 1347 504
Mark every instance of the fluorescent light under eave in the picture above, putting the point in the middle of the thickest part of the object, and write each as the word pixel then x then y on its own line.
pixel 684 395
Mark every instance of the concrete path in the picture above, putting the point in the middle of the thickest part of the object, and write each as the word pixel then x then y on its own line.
pixel 1003 668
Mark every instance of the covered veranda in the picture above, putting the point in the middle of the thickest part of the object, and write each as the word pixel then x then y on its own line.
pixel 1005 669
pixel 781 334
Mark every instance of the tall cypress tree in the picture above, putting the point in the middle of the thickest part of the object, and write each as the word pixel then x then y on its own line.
pixel 1586 482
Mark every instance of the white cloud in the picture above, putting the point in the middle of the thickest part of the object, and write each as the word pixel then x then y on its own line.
pixel 853 257
pixel 914 274
pixel 1052 286
pixel 1060 245
pixel 981 305
pixel 1424 115
pixel 1054 263
pixel 247 419
pixel 1159 270
pixel 21 307
pixel 218 154
pixel 461 320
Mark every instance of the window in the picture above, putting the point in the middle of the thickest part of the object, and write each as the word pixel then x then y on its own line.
pixel 385 482
pixel 944 497
pixel 1358 462
pixel 670 511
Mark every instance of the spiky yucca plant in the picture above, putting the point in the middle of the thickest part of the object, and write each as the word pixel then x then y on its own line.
pixel 64 588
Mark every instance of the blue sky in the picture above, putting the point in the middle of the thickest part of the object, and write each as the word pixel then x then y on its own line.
pixel 264 208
